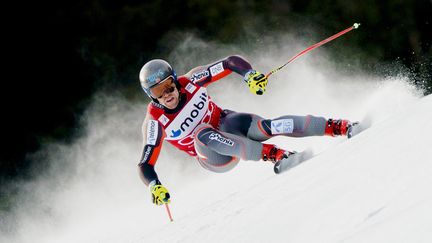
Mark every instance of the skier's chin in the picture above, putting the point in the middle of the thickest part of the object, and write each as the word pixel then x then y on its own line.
pixel 170 102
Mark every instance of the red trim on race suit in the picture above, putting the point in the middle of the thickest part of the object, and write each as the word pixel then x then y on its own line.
pixel 151 152
pixel 219 76
pixel 211 115
pixel 261 128
pixel 205 75
pixel 155 154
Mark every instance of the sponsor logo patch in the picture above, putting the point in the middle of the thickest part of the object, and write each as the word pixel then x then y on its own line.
pixel 282 126
pixel 189 117
pixel 152 132
pixel 155 77
pixel 221 139
pixel 163 119
pixel 190 88
pixel 216 69
pixel 146 154
pixel 200 75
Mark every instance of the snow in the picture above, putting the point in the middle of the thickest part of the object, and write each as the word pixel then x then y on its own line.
pixel 374 187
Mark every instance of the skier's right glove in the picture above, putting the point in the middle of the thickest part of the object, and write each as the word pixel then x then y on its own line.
pixel 160 194
pixel 256 81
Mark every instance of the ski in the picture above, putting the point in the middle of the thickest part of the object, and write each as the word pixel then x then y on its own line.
pixel 354 129
pixel 297 158
pixel 293 160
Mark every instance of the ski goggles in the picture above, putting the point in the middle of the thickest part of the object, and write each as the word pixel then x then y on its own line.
pixel 166 86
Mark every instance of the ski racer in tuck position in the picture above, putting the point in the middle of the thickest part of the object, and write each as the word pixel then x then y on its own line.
pixel 183 113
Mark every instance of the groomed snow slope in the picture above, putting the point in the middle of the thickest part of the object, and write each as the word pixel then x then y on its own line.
pixel 372 188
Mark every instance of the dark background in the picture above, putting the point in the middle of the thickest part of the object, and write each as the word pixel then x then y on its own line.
pixel 57 55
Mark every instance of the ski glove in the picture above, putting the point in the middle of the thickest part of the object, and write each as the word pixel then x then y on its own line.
pixel 256 81
pixel 160 194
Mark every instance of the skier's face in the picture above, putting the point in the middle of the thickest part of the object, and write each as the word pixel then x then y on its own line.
pixel 166 93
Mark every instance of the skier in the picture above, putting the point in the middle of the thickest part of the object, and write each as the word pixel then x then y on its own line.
pixel 183 113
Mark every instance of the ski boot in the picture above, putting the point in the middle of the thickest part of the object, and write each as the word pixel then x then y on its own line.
pixel 274 154
pixel 340 128
pixel 282 160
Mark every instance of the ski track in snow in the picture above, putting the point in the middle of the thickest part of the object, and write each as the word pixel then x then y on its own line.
pixel 371 188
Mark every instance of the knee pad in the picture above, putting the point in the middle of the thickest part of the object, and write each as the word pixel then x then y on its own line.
pixel 208 158
pixel 220 165
pixel 200 129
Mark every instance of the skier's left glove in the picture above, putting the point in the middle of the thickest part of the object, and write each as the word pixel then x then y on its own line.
pixel 256 81
pixel 160 194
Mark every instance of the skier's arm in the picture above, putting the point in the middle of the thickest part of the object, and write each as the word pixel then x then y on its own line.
pixel 205 75
pixel 153 135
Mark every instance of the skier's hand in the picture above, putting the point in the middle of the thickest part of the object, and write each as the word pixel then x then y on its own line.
pixel 256 81
pixel 160 194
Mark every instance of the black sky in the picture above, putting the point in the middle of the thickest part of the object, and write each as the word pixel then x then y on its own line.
pixel 44 83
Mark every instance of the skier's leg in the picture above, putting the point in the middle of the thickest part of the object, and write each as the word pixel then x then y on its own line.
pixel 291 126
pixel 301 126
pixel 242 124
pixel 220 151
pixel 260 129
pixel 212 161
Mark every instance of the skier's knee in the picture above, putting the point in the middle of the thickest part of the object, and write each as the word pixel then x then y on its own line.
pixel 219 164
pixel 200 132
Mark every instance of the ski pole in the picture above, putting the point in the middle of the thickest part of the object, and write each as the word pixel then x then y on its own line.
pixel 169 212
pixel 354 26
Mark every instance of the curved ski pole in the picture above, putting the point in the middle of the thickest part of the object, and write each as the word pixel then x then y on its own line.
pixel 354 26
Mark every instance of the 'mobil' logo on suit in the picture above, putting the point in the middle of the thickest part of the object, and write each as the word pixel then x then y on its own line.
pixel 195 112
